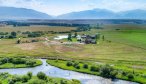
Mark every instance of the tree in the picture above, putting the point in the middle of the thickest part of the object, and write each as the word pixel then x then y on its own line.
pixel 94 68
pixel 77 66
pixel 107 71
pixel 103 38
pixel 69 63
pixel 130 76
pixel 14 34
pixel 25 78
pixel 85 66
pixel 29 74
pixel 113 74
pixel 69 37
pixel 41 75
pixel 63 81
pixel 76 34
pixel 30 63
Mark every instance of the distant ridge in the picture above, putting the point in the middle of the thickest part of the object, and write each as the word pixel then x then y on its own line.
pixel 21 13
pixel 105 14
pixel 12 13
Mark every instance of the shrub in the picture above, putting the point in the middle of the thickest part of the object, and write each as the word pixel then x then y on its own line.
pixel 77 66
pixel 113 74
pixel 130 76
pixel 11 37
pixel 69 63
pixel 11 81
pixel 94 68
pixel 29 74
pixel 25 78
pixel 13 34
pixel 85 66
pixel 41 75
pixel 4 60
pixel 16 78
pixel 124 73
pixel 75 81
pixel 18 61
pixel 63 82
pixel 30 63
pixel 106 71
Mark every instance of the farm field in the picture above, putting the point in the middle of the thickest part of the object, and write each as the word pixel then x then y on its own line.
pixel 33 28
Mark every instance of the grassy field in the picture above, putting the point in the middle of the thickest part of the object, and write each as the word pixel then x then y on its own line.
pixel 36 28
pixel 124 47
pixel 8 64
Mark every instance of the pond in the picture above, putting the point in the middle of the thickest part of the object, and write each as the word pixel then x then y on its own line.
pixel 61 37
pixel 56 72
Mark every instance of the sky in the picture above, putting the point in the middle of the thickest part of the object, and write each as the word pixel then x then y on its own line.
pixel 58 7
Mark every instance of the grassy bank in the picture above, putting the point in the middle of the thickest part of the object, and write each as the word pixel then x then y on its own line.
pixel 99 69
pixel 6 63
pixel 41 78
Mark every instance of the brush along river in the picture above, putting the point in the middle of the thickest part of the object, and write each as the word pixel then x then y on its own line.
pixel 56 72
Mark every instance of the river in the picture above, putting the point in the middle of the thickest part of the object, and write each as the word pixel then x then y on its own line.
pixel 56 72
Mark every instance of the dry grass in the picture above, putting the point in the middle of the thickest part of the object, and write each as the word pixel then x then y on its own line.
pixel 36 28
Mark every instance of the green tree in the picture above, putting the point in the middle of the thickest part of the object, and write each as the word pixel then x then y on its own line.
pixel 69 63
pixel 69 37
pixel 130 76
pixel 103 38
pixel 76 34
pixel 41 75
pixel 108 71
pixel 25 78
pixel 94 68
pixel 14 34
pixel 85 66
pixel 29 74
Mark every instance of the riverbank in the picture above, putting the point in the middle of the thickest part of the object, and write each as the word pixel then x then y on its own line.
pixel 95 69
pixel 8 63
pixel 52 71
pixel 40 78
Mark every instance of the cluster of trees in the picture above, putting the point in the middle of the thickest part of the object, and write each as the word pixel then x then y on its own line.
pixel 41 78
pixel 34 34
pixel 30 63
pixel 4 33
pixel 74 64
pixel 83 28
pixel 70 36
pixel 103 70
pixel 8 35
pixel 25 78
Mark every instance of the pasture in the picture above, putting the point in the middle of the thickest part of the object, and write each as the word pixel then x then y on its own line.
pixel 33 28
pixel 124 47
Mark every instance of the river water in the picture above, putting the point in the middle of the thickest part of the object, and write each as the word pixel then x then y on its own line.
pixel 56 72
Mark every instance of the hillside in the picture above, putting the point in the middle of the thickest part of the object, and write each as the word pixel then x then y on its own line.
pixel 21 13
pixel 105 14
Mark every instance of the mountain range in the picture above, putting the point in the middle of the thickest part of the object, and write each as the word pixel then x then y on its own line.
pixel 23 13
